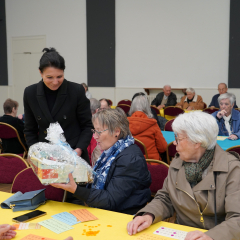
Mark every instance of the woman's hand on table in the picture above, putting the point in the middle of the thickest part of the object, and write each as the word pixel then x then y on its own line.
pixel 197 235
pixel 6 231
pixel 70 187
pixel 233 137
pixel 220 114
pixel 139 223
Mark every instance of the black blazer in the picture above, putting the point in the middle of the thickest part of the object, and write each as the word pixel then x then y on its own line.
pixel 12 145
pixel 172 99
pixel 71 110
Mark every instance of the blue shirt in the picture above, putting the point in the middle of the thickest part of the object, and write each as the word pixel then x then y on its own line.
pixel 235 124
pixel 215 103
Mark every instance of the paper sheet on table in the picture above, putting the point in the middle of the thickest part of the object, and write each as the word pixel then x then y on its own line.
pixel 83 215
pixel 147 236
pixel 67 218
pixel 171 233
pixel 35 237
pixel 55 225
pixel 221 138
pixel 24 226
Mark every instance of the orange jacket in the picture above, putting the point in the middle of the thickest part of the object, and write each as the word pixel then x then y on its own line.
pixel 197 103
pixel 147 131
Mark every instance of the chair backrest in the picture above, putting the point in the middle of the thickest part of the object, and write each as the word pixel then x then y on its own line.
pixel 27 181
pixel 173 111
pixel 124 107
pixel 110 102
pixel 11 165
pixel 7 131
pixel 204 105
pixel 168 125
pixel 234 149
pixel 155 109
pixel 142 147
pixel 210 110
pixel 171 151
pixel 125 101
pixel 158 174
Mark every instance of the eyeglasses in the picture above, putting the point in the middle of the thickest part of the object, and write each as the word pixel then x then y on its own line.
pixel 98 132
pixel 177 139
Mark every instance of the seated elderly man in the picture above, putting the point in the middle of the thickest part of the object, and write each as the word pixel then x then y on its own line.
pixel 104 104
pixel 165 98
pixel 12 145
pixel 200 177
pixel 191 101
pixel 228 119
pixel 222 88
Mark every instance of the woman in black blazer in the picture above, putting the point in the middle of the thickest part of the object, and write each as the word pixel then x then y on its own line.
pixel 54 99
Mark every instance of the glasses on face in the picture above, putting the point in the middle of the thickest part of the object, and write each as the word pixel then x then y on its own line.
pixel 177 139
pixel 98 132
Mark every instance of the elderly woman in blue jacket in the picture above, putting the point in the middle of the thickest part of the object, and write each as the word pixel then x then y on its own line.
pixel 228 119
pixel 122 178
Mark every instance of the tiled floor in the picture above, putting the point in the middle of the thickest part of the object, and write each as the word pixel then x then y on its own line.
pixel 5 187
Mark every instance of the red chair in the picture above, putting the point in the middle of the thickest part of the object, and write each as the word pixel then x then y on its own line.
pixel 234 149
pixel 171 151
pixel 125 108
pixel 210 110
pixel 168 125
pixel 110 102
pixel 173 111
pixel 142 147
pixel 27 181
pixel 7 131
pixel 11 165
pixel 158 174
pixel 155 109
pixel 125 101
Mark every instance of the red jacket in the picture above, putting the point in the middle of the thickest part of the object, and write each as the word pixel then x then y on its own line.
pixel 147 131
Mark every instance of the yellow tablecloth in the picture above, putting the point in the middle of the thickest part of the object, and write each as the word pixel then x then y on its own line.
pixel 118 222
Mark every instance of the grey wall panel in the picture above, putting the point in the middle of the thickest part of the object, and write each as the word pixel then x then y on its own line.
pixel 234 45
pixel 3 45
pixel 101 43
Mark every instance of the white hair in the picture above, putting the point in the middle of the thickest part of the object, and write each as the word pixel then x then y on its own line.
pixel 94 105
pixel 191 90
pixel 140 103
pixel 229 96
pixel 200 127
pixel 166 86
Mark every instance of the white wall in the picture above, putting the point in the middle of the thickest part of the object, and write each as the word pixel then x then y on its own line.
pixel 182 43
pixel 62 22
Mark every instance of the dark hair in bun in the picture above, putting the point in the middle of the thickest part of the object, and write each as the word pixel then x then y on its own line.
pixel 51 58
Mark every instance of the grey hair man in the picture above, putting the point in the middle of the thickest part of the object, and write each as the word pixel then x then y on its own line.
pixel 94 105
pixel 222 89
pixel 165 99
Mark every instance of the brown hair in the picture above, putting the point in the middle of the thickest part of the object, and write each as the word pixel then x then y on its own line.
pixel 8 105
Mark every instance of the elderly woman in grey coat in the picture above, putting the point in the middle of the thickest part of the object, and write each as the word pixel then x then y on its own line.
pixel 200 171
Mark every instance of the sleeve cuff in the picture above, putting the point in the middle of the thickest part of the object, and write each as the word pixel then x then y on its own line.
pixel 82 193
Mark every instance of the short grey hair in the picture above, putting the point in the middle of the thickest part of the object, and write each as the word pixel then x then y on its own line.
pixel 166 86
pixel 191 90
pixel 200 127
pixel 140 103
pixel 113 119
pixel 229 96
pixel 85 85
pixel 94 105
